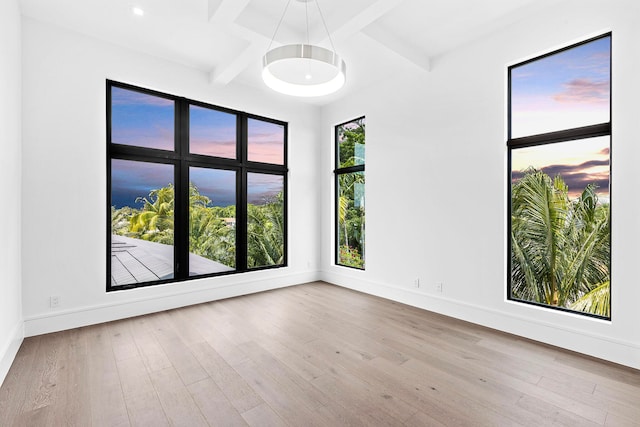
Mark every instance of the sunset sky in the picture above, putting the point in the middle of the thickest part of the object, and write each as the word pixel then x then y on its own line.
pixel 148 121
pixel 141 120
pixel 579 163
pixel 563 91
pixel 212 132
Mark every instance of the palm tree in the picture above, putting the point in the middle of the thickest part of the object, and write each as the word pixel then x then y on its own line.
pixel 265 232
pixel 209 234
pixel 560 249
pixel 155 221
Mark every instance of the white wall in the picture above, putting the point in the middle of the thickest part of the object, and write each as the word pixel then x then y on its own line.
pixel 436 183
pixel 11 329
pixel 64 192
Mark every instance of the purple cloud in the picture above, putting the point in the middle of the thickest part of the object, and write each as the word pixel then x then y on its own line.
pixel 575 176
pixel 584 91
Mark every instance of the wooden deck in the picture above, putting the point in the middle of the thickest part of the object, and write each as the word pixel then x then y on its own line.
pixel 137 261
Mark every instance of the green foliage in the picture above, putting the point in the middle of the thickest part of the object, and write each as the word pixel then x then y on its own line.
pixel 212 231
pixel 351 218
pixel 560 248
pixel 351 214
pixel 350 257
pixel 350 136
pixel 155 221
pixel 596 301
pixel 265 232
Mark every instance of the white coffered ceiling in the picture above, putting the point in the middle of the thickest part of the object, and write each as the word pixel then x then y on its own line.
pixel 227 38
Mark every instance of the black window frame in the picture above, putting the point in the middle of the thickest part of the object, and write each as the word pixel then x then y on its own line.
pixel 337 172
pixel 182 160
pixel 564 135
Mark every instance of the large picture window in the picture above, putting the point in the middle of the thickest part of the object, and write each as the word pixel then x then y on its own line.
pixel 559 179
pixel 194 190
pixel 349 180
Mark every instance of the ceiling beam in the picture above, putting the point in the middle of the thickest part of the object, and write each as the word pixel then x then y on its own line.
pixel 224 75
pixel 255 49
pixel 398 45
pixel 367 16
pixel 226 10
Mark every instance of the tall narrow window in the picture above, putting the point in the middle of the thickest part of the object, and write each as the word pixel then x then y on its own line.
pixel 349 184
pixel 194 190
pixel 559 150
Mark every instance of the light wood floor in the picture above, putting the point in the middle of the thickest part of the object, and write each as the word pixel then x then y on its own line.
pixel 308 355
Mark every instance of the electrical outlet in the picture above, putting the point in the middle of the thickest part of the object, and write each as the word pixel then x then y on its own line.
pixel 439 287
pixel 54 301
pixel 416 283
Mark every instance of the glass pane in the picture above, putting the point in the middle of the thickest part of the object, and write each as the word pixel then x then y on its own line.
pixel 141 120
pixel 265 142
pixel 212 132
pixel 562 91
pixel 142 206
pixel 560 229
pixel 351 220
pixel 265 220
pixel 212 221
pixel 351 143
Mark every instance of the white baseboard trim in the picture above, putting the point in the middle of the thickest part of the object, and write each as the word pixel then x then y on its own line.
pixel 603 347
pixel 91 315
pixel 10 350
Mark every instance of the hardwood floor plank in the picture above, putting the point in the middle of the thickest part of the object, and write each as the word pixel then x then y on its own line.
pixel 553 414
pixel 288 406
pixel 354 396
pixel 284 376
pixel 145 409
pixel 153 355
pixel 206 324
pixel 214 405
pixel 309 355
pixel 176 400
pixel 43 388
pixel 614 420
pixel 235 388
pixel 134 377
pixel 122 343
pixel 15 388
pixel 73 384
pixel 176 350
pixel 420 419
pixel 263 416
pixel 106 398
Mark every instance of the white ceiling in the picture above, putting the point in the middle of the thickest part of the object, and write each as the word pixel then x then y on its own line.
pixel 227 38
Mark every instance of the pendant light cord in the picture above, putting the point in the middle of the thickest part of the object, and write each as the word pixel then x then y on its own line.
pixel 325 27
pixel 278 27
pixel 306 11
pixel 324 23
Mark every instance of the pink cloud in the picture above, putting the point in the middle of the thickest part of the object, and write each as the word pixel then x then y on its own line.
pixel 584 91
pixel 267 152
pixel 210 147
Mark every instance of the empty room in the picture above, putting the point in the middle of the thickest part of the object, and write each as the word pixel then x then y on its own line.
pixel 319 212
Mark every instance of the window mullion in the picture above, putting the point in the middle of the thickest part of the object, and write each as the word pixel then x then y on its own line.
pixel 181 201
pixel 241 196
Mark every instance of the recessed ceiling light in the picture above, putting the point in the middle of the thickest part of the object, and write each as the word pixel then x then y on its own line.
pixel 137 11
